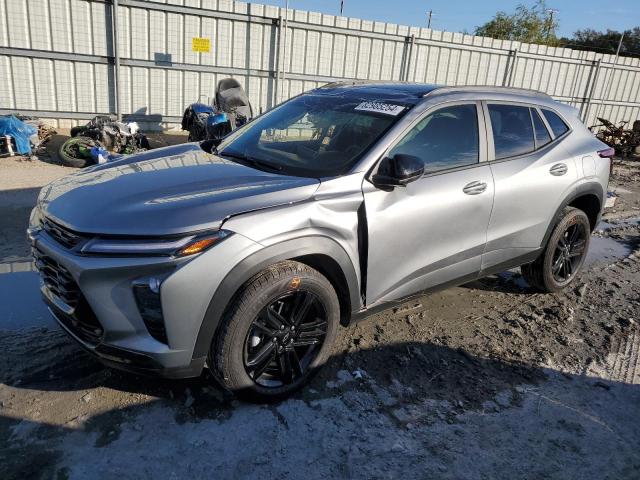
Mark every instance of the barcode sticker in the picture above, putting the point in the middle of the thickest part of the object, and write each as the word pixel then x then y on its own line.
pixel 379 107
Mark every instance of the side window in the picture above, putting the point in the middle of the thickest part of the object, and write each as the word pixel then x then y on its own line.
pixel 446 138
pixel 555 122
pixel 542 134
pixel 512 130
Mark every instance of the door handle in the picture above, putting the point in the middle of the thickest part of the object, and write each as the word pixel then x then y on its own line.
pixel 558 169
pixel 474 188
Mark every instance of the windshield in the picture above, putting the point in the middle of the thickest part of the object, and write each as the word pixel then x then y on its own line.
pixel 313 135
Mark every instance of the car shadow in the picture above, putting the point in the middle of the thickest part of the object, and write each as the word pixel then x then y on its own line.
pixel 510 281
pixel 398 380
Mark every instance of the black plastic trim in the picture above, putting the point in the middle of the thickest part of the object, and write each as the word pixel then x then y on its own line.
pixel 254 264
pixel 132 361
pixel 590 188
pixel 363 250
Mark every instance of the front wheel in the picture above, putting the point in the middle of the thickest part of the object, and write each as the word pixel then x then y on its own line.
pixel 564 255
pixel 277 332
pixel 76 152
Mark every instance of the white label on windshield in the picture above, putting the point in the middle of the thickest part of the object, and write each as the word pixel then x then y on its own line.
pixel 378 107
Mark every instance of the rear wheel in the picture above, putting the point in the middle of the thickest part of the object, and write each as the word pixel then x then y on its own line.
pixel 563 257
pixel 276 333
pixel 76 152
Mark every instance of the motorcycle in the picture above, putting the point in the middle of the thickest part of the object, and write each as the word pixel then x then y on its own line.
pixel 204 122
pixel 230 110
pixel 103 133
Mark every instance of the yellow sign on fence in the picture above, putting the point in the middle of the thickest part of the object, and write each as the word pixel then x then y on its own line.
pixel 201 44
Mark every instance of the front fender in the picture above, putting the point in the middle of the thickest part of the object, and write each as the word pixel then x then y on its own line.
pixel 258 261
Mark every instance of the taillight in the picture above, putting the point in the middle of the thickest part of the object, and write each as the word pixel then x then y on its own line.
pixel 607 153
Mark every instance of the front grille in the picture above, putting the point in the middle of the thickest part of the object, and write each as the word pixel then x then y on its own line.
pixel 57 279
pixel 79 317
pixel 64 236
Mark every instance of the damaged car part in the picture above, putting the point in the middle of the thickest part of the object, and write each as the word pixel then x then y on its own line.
pixel 231 110
pixel 102 131
pixel 624 140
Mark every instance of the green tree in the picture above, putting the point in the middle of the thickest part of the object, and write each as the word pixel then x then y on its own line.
pixel 532 24
pixel 605 42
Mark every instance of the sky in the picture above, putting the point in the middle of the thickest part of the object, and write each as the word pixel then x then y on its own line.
pixel 459 15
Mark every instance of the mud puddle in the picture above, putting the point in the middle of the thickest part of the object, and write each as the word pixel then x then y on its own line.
pixel 607 250
pixel 609 241
pixel 20 303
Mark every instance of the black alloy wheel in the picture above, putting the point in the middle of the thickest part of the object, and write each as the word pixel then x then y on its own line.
pixel 276 333
pixel 564 254
pixel 284 339
pixel 569 252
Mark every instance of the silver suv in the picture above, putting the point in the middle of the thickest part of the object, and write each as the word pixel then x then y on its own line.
pixel 247 254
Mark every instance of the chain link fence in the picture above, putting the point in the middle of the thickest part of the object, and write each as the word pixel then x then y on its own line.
pixel 68 60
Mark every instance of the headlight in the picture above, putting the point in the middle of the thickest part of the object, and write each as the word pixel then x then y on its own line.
pixel 173 247
pixel 35 219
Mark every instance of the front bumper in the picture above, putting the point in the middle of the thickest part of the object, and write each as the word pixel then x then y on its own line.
pixel 127 360
pixel 120 338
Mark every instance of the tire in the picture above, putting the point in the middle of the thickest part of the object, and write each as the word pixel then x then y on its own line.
pixel 75 131
pixel 71 156
pixel 241 339
pixel 544 274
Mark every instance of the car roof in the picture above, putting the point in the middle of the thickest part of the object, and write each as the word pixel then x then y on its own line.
pixel 413 93
pixel 403 92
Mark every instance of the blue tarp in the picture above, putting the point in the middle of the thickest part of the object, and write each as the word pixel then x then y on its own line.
pixel 20 131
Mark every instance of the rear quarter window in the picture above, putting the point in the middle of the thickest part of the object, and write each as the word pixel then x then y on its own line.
pixel 558 127
pixel 542 135
pixel 512 130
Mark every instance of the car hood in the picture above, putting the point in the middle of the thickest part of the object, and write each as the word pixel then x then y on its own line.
pixel 166 191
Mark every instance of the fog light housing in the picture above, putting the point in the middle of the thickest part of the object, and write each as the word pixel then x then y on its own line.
pixel 147 294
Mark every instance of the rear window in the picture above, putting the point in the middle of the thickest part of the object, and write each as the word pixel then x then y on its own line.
pixel 542 134
pixel 512 130
pixel 555 122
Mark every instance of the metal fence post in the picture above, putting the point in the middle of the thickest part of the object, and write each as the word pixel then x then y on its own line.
pixel 277 58
pixel 506 79
pixel 116 58
pixel 406 58
pixel 285 59
pixel 590 89
pixel 514 65
pixel 412 41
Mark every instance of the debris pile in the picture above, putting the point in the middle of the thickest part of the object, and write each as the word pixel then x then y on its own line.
pixel 21 135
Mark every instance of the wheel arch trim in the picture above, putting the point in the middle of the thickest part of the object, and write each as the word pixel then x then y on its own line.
pixel 253 264
pixel 589 188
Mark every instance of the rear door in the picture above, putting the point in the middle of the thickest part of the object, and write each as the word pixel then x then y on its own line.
pixel 433 230
pixel 532 172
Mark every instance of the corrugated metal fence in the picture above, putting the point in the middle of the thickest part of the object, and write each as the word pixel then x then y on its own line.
pixel 58 59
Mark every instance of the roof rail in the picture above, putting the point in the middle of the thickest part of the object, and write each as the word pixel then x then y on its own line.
pixel 338 83
pixel 487 88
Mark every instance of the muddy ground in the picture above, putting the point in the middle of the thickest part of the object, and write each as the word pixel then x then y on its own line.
pixel 484 381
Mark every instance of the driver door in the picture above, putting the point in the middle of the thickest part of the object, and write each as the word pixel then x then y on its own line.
pixel 434 230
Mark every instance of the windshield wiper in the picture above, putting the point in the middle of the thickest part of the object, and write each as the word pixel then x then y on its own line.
pixel 252 161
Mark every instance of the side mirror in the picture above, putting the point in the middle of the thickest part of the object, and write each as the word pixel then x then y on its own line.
pixel 398 171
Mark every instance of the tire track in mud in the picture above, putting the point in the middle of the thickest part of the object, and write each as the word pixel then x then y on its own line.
pixel 623 362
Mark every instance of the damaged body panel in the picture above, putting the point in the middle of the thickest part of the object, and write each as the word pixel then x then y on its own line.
pixel 175 190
